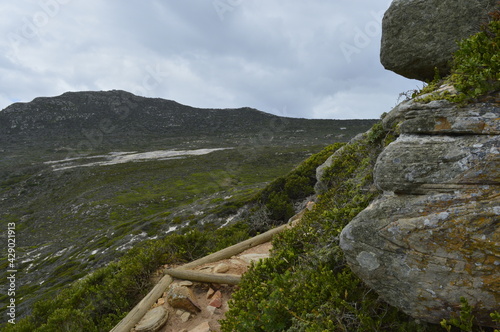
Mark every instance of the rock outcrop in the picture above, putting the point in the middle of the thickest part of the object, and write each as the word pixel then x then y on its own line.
pixel 420 35
pixel 434 235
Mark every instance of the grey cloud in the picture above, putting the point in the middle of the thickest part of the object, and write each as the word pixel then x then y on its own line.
pixel 303 59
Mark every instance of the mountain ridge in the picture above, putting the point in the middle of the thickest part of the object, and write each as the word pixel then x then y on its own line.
pixel 120 119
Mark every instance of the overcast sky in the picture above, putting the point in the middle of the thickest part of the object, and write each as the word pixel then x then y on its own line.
pixel 311 59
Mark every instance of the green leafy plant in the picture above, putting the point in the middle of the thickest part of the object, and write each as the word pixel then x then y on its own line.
pixel 476 64
pixel 495 316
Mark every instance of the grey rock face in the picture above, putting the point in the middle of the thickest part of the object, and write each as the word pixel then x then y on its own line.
pixel 417 164
pixel 421 253
pixel 442 117
pixel 419 35
pixel 434 235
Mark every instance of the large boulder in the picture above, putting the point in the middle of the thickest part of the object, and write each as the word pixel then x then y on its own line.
pixel 434 235
pixel 420 35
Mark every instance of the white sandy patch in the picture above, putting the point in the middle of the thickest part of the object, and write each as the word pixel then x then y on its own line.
pixel 114 158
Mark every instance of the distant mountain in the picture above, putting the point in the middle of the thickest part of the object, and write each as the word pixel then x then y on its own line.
pixel 100 120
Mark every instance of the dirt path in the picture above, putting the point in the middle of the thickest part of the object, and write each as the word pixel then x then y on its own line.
pixel 198 306
pixel 204 293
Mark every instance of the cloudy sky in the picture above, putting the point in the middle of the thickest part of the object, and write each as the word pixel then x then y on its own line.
pixel 311 59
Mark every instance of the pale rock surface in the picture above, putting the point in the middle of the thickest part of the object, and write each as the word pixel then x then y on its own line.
pixel 210 293
pixel 204 327
pixel 253 257
pixel 185 317
pixel 221 268
pixel 419 35
pixel 153 320
pixel 434 236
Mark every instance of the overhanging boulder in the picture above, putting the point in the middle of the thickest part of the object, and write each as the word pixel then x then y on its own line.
pixel 420 35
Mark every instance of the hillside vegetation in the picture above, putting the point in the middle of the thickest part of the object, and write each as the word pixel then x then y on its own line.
pixel 77 209
pixel 304 286
pixel 100 300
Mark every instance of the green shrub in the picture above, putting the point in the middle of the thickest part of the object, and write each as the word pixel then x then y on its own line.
pixel 476 64
pixel 280 206
pixel 465 322
pixel 280 195
pixel 495 316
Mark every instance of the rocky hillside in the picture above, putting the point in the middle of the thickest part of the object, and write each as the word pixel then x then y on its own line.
pixel 431 241
pixel 86 176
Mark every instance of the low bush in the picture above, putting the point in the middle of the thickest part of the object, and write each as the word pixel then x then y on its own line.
pixel 279 197
pixel 476 64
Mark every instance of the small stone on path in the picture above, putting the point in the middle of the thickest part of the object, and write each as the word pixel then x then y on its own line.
pixel 210 293
pixel 211 310
pixel 221 268
pixel 181 297
pixel 185 317
pixel 216 300
pixel 153 320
